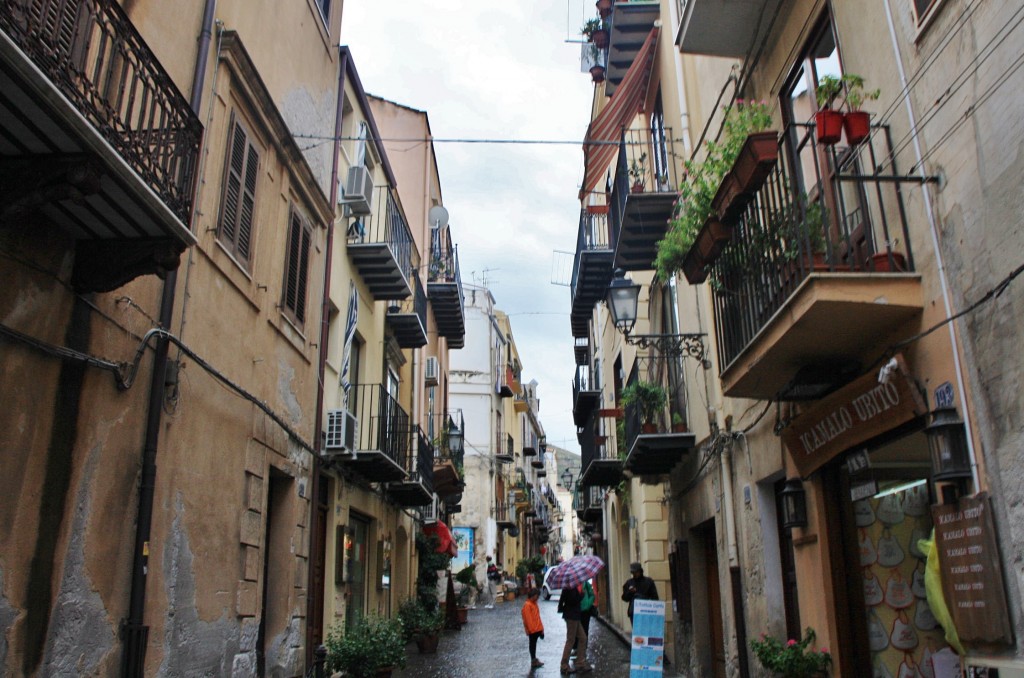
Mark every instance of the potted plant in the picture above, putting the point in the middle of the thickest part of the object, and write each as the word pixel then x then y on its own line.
pixel 650 398
pixel 596 32
pixel 467 577
pixel 638 173
pixel 421 624
pixel 372 647
pixel 828 122
pixel 604 8
pixel 678 425
pixel 857 123
pixel 597 64
pixel 792 659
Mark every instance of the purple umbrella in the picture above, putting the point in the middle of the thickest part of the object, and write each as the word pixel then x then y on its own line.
pixel 576 570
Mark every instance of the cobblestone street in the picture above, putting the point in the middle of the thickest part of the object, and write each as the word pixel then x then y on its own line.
pixel 493 644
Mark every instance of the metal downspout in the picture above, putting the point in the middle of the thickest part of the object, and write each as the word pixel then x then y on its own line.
pixel 314 481
pixel 134 633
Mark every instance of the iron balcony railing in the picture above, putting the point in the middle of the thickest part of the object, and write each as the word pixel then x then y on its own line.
pixel 644 165
pixel 510 446
pixel 383 424
pixel 820 210
pixel 444 260
pixel 423 464
pixel 591 237
pixel 92 53
pixel 417 302
pixel 386 224
pixel 446 424
pixel 582 381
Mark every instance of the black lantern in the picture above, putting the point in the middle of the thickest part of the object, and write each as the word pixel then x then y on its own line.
pixel 456 440
pixel 794 504
pixel 947 440
pixel 623 299
pixel 566 478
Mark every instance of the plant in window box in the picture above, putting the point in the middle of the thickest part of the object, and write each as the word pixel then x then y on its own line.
pixel 828 122
pixel 650 398
pixel 702 195
pixel 856 122
pixel 638 173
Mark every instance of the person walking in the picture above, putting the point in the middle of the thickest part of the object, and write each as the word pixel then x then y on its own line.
pixel 493 577
pixel 569 605
pixel 638 587
pixel 533 625
pixel 588 606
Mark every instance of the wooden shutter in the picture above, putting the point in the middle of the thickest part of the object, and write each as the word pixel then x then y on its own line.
pixel 238 205
pixel 297 265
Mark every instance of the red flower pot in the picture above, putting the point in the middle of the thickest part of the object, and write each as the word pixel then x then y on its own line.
pixel 828 126
pixel 604 8
pixel 597 74
pixel 600 38
pixel 857 125
pixel 880 263
pixel 637 187
pixel 753 164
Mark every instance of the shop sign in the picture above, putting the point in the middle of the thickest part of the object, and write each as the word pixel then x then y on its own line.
pixel 863 490
pixel 972 577
pixel 855 413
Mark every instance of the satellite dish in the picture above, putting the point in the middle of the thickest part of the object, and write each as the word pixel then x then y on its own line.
pixel 513 531
pixel 438 216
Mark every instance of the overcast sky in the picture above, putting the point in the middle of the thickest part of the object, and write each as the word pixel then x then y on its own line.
pixel 490 69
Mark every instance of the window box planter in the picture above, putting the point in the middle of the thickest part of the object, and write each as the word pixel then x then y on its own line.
pixel 753 164
pixel 828 126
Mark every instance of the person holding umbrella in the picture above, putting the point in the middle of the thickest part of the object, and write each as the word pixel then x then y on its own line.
pixel 568 576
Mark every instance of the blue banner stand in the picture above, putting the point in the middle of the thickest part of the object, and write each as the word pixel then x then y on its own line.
pixel 647 651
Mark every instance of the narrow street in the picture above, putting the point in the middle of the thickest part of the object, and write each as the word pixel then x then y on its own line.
pixel 493 644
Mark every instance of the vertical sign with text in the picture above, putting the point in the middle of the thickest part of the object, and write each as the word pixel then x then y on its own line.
pixel 647 651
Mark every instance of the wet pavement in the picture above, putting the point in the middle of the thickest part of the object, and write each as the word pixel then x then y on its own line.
pixel 493 643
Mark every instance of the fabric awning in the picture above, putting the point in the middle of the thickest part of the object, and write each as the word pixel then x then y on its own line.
pixel 446 543
pixel 607 127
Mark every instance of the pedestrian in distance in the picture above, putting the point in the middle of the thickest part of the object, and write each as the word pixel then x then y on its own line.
pixel 588 607
pixel 493 577
pixel 533 625
pixel 569 605
pixel 638 587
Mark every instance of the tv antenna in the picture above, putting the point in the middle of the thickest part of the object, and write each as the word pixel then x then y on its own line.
pixel 483 276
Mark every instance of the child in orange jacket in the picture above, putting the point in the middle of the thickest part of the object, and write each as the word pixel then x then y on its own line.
pixel 533 625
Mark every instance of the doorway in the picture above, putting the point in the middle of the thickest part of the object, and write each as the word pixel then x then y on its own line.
pixel 705 534
pixel 356 564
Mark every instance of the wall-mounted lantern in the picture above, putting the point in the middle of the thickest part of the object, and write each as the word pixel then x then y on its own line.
pixel 794 504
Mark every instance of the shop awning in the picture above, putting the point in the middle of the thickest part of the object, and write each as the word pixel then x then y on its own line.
pixel 602 141
pixel 446 543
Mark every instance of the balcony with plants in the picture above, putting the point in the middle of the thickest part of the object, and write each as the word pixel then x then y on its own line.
pixel 383 441
pixel 655 438
pixel 586 394
pixel 449 452
pixel 643 198
pixel 103 143
pixel 408 318
pixel 381 247
pixel 417 489
pixel 591 268
pixel 817 241
pixel 444 288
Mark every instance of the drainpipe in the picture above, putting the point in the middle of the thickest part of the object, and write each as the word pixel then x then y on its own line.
pixel 325 307
pixel 735 573
pixel 934 233
pixel 134 633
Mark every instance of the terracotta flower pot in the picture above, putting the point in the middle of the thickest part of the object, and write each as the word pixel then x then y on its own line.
pixel 712 239
pixel 604 8
pixel 427 643
pixel 693 267
pixel 755 160
pixel 463 613
pixel 600 38
pixel 649 428
pixel 857 125
pixel 637 187
pixel 597 74
pixel 880 263
pixel 828 126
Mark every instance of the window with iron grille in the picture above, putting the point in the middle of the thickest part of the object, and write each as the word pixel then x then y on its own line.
pixel 238 204
pixel 300 238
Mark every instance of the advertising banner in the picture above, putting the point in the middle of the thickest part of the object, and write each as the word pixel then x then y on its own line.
pixel 647 651
pixel 464 542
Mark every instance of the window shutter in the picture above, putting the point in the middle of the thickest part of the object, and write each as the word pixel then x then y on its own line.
pixel 300 238
pixel 248 203
pixel 239 192
pixel 300 301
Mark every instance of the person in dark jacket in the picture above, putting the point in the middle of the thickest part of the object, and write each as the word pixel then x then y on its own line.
pixel 638 587
pixel 569 605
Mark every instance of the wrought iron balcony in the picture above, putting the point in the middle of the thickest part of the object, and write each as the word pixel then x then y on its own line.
pixel 504 515
pixel 591 268
pixel 505 452
pixel 444 287
pixel 408 319
pixel 381 246
pixel 448 461
pixel 823 246
pixel 418 488
pixel 600 460
pixel 103 143
pixel 652 449
pixel 630 24
pixel 531 443
pixel 383 442
pixel 643 197
pixel 581 350
pixel 585 395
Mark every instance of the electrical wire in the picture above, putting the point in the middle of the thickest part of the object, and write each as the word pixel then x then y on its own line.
pixel 463 140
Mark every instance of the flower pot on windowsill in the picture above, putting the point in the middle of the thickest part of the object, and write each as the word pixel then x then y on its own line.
pixel 857 125
pixel 828 126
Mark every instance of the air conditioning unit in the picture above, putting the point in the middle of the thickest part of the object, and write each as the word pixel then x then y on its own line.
pixel 342 432
pixel 431 371
pixel 431 512
pixel 358 190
